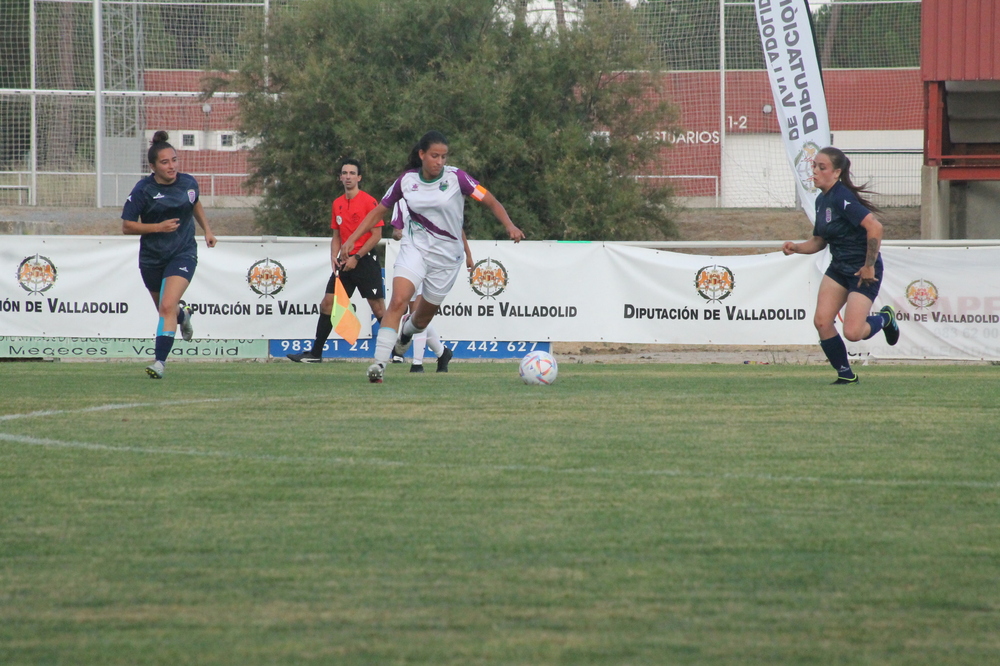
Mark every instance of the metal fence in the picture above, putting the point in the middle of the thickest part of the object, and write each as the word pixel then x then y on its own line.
pixel 84 83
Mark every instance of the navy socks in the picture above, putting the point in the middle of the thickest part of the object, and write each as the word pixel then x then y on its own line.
pixel 836 353
pixel 164 343
pixel 876 322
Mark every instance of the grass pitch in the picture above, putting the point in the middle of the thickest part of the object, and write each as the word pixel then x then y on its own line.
pixel 245 513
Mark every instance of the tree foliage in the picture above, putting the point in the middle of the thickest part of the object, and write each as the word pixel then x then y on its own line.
pixel 849 34
pixel 555 125
pixel 686 34
pixel 853 35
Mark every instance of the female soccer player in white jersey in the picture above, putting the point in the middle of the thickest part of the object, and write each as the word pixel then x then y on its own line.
pixel 434 254
pixel 428 337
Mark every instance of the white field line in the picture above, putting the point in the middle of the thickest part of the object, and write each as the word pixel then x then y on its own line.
pixel 376 462
pixel 106 408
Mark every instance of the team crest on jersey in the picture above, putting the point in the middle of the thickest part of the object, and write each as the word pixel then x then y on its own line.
pixel 921 293
pixel 267 277
pixel 443 186
pixel 192 195
pixel 36 274
pixel 714 283
pixel 488 278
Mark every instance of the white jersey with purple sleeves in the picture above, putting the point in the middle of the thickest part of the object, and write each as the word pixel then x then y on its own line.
pixel 436 211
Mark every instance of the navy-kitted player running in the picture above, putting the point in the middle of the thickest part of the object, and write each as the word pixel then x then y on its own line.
pixel 845 222
pixel 162 209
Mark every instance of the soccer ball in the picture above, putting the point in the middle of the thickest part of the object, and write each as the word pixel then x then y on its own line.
pixel 538 369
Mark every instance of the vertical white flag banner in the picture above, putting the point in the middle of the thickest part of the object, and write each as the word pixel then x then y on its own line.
pixel 786 34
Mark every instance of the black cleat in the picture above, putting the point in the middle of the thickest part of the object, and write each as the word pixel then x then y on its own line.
pixel 417 367
pixel 443 360
pixel 396 359
pixel 891 328
pixel 844 380
pixel 305 358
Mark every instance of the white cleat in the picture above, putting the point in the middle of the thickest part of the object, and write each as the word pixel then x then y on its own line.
pixel 187 328
pixel 156 370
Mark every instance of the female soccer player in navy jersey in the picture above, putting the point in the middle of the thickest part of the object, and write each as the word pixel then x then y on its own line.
pixel 433 254
pixel 845 222
pixel 162 209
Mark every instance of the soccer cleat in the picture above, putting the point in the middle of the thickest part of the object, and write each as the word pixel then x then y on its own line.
pixel 396 359
pixel 443 360
pixel 891 327
pixel 403 341
pixel 305 358
pixel 156 370
pixel 844 380
pixel 187 328
pixel 402 344
pixel 375 372
pixel 417 367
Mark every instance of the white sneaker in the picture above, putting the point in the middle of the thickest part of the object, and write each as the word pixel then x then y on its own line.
pixel 156 370
pixel 375 373
pixel 187 328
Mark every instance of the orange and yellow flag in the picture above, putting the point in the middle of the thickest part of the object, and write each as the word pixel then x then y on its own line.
pixel 345 322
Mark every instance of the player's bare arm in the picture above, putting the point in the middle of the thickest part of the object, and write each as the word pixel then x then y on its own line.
pixel 811 246
pixel 500 213
pixel 371 219
pixel 874 228
pixel 136 228
pixel 199 216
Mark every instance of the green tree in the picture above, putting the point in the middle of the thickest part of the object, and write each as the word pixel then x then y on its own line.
pixel 854 35
pixel 555 125
pixel 686 34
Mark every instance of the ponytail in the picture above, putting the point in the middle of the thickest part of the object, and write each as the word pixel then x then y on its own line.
pixel 840 161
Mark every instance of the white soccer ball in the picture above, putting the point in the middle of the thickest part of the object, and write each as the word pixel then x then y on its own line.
pixel 538 369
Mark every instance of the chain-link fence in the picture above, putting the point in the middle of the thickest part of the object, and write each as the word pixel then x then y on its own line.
pixel 84 83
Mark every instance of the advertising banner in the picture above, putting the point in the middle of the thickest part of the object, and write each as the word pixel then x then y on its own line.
pixel 89 286
pixel 947 301
pixel 599 292
pixel 517 295
pixel 104 348
pixel 797 85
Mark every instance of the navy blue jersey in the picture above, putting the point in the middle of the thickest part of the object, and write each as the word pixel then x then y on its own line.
pixel 838 221
pixel 150 203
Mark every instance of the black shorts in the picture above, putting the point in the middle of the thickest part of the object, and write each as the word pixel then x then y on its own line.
pixel 366 278
pixel 849 281
pixel 181 264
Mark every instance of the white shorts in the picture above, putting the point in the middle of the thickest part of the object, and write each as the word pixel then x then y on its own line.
pixel 429 277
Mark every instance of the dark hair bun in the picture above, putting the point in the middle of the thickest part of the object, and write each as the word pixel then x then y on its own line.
pixel 160 137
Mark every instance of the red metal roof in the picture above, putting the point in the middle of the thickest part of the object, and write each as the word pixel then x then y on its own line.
pixel 960 40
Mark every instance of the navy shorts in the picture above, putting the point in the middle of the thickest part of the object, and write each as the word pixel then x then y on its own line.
pixel 153 275
pixel 366 278
pixel 849 281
